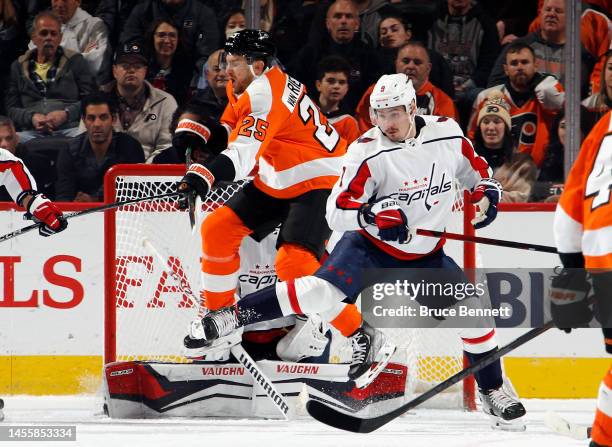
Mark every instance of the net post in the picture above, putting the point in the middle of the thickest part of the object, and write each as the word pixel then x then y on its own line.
pixel 469 263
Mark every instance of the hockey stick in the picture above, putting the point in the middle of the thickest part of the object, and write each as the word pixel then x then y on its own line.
pixel 566 428
pixel 190 197
pixel 349 422
pixel 237 350
pixel 106 207
pixel 485 240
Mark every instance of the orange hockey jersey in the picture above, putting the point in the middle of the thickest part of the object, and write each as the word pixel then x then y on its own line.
pixel 531 122
pixel 430 101
pixel 346 126
pixel 278 128
pixel 583 219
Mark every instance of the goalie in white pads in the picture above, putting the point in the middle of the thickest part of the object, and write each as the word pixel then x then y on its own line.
pixel 368 204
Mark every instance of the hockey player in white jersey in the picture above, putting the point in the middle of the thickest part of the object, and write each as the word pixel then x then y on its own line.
pixel 398 175
pixel 21 186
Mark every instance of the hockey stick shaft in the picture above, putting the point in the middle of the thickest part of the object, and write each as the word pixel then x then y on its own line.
pixel 106 207
pixel 237 350
pixel 486 240
pixel 344 421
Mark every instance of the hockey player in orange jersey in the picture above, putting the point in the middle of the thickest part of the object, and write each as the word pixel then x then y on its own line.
pixel 583 234
pixel 277 134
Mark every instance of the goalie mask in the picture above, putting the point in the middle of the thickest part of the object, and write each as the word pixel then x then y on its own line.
pixel 393 106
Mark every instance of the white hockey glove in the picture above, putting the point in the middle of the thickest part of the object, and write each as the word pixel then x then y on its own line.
pixel 387 215
pixel 549 93
pixel 306 339
pixel 485 197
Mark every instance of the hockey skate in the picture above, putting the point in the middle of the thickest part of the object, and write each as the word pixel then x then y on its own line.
pixel 212 337
pixel 371 353
pixel 1 412
pixel 504 409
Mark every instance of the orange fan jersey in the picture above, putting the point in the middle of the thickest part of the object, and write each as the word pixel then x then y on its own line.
pixel 346 125
pixel 583 219
pixel 531 122
pixel 278 128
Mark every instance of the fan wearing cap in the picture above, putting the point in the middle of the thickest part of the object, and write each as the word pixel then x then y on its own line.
pixel 493 140
pixel 145 112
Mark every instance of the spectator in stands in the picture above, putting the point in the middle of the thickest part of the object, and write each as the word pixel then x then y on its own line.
pixel 170 66
pixel 145 112
pixel 552 172
pixel 47 84
pixel 84 34
pixel 599 103
pixel 199 24
pixel 82 165
pixel 534 100
pixel 234 21
pixel 9 140
pixel 114 14
pixel 211 89
pixel 11 34
pixel 413 60
pixel 370 14
pixel 267 13
pixel 467 38
pixel 332 85
pixel 41 164
pixel 595 35
pixel 342 24
pixel 291 27
pixel 516 171
pixel 393 33
pixel 511 19
pixel 548 44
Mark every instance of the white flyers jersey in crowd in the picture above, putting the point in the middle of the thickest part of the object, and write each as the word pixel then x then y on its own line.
pixel 14 176
pixel 419 173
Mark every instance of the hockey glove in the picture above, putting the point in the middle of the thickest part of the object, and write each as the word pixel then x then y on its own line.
pixel 41 210
pixel 387 215
pixel 197 180
pixel 485 197
pixel 568 299
pixel 190 134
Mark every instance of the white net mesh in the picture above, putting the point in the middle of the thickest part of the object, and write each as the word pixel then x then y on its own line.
pixel 151 314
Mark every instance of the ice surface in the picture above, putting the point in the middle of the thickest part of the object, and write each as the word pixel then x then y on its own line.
pixel 419 428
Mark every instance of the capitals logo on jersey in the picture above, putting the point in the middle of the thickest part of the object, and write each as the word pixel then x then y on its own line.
pixel 426 189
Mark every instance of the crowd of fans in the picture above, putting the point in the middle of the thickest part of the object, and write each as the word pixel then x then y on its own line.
pixel 89 84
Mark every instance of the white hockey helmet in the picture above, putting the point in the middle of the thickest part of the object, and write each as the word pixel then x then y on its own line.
pixel 391 91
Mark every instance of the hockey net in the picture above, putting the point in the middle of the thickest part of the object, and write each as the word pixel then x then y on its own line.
pixel 147 315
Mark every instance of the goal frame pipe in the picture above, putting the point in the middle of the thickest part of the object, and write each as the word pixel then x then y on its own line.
pixel 110 284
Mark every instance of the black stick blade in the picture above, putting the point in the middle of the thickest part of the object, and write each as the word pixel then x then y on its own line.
pixel 334 418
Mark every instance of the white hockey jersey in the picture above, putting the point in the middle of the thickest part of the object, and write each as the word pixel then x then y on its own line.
pixel 14 176
pixel 419 173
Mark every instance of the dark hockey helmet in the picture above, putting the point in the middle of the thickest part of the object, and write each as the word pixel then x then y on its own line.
pixel 252 43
